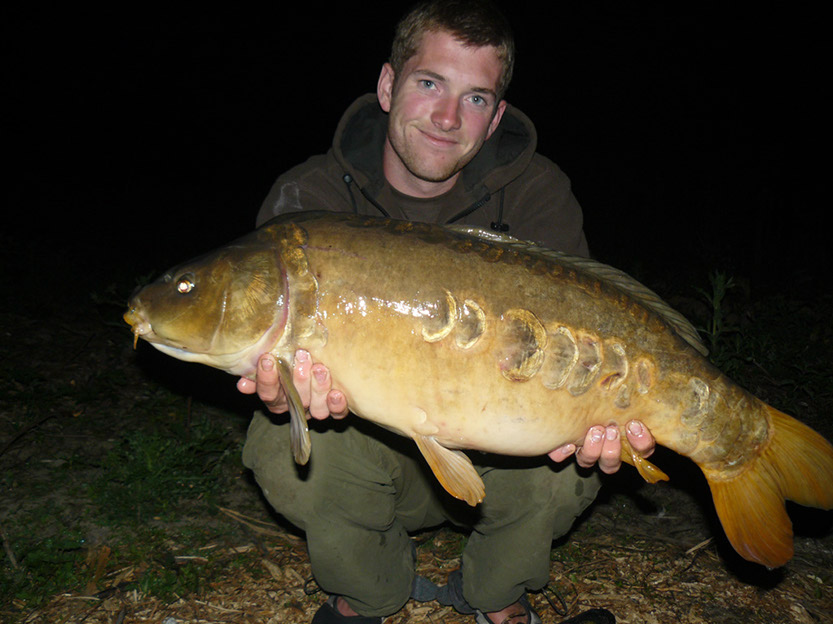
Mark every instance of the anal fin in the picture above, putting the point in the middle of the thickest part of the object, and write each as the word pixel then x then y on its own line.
pixel 298 429
pixel 646 469
pixel 453 470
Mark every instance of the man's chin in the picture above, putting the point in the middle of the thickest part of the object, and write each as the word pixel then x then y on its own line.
pixel 437 174
pixel 436 179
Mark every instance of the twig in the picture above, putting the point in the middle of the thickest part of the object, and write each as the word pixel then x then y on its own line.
pixel 82 348
pixel 217 608
pixel 23 432
pixel 697 549
pixel 702 544
pixel 251 522
pixel 91 611
pixel 8 548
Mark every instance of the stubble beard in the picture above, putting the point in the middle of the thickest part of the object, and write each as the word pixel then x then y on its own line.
pixel 439 172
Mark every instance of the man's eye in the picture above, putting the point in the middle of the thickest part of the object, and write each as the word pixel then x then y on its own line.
pixel 426 84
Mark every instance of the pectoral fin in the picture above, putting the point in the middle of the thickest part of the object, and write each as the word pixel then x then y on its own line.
pixel 646 469
pixel 453 470
pixel 298 430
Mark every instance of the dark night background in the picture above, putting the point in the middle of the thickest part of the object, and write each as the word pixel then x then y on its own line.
pixel 139 136
pixel 697 140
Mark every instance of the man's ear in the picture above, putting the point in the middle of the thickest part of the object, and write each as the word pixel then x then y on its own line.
pixel 501 108
pixel 384 87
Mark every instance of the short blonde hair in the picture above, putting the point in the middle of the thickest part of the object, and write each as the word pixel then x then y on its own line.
pixel 475 23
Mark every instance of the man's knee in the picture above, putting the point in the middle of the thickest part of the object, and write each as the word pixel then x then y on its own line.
pixel 267 454
pixel 574 492
pixel 542 496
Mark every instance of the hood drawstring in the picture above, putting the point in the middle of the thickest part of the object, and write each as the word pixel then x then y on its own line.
pixel 471 208
pixel 349 180
pixel 498 226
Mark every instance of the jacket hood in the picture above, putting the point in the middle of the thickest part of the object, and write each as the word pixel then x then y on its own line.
pixel 360 136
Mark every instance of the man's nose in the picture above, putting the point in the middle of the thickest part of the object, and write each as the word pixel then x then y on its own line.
pixel 446 115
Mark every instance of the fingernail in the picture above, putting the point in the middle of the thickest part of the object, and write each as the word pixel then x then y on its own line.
pixel 267 363
pixel 635 428
pixel 301 356
pixel 612 433
pixel 320 375
pixel 569 449
pixel 596 434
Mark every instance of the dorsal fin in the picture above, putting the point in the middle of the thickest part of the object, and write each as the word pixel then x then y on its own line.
pixel 616 278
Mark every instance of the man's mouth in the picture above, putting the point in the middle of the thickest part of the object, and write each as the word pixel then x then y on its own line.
pixel 438 140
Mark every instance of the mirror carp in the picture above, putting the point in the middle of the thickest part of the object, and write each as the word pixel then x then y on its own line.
pixel 464 339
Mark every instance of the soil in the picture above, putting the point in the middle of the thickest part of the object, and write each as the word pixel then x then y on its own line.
pixel 648 554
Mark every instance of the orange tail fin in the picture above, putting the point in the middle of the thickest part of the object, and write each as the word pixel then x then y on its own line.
pixel 797 465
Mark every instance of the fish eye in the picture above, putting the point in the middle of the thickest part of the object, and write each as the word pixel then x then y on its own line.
pixel 185 284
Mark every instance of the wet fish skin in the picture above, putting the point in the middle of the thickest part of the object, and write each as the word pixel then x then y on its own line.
pixel 462 340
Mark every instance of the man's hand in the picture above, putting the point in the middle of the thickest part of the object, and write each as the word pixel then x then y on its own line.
pixel 602 445
pixel 312 381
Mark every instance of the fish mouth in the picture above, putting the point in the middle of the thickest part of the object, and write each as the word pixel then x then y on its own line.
pixel 138 325
pixel 142 328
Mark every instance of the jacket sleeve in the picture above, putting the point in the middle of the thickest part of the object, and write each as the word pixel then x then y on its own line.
pixel 544 209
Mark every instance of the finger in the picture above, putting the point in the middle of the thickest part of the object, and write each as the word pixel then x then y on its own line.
pixel 337 404
pixel 640 438
pixel 320 385
pixel 562 452
pixel 589 452
pixel 610 459
pixel 269 386
pixel 246 386
pixel 301 375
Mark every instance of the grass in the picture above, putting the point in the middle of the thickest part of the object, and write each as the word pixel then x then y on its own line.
pixel 158 560
pixel 44 567
pixel 720 328
pixel 149 473
pixel 94 512
pixel 776 346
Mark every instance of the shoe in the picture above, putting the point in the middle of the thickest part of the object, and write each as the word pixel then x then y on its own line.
pixel 328 613
pixel 451 595
pixel 531 616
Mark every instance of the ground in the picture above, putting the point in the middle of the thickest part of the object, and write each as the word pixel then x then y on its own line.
pixel 124 499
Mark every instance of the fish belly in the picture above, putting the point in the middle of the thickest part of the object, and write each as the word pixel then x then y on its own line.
pixel 479 355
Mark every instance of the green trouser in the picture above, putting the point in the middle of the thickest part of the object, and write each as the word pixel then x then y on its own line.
pixel 365 488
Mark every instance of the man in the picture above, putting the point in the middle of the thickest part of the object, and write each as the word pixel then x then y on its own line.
pixel 437 143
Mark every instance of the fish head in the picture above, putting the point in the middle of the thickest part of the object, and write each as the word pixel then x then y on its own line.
pixel 223 309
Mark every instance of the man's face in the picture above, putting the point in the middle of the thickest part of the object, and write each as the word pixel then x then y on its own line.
pixel 442 108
